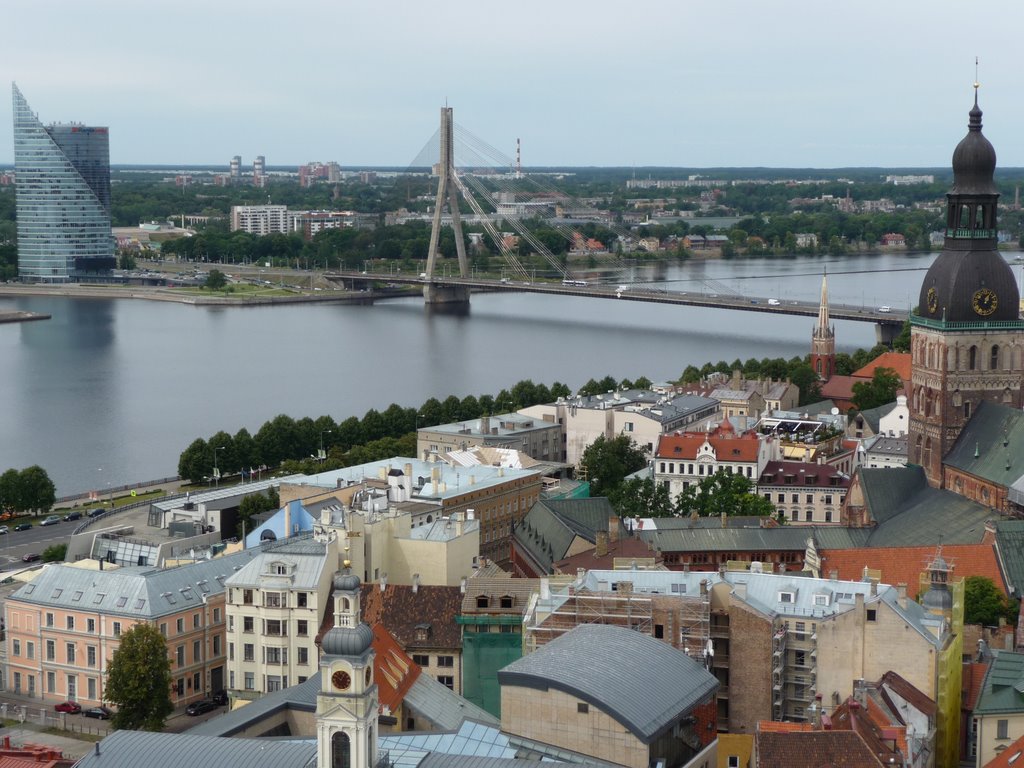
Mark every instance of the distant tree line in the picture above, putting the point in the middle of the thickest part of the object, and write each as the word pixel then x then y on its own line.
pixel 26 490
pixel 295 443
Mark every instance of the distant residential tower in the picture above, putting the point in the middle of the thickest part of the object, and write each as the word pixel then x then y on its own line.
pixel 62 182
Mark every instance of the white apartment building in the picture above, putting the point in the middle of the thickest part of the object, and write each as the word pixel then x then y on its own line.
pixel 275 604
pixel 259 219
pixel 642 414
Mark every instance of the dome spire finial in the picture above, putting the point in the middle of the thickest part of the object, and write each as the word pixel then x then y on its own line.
pixel 975 122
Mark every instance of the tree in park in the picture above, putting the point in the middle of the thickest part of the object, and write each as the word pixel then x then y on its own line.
pixel 253 504
pixel 27 490
pixel 607 462
pixel 139 680
pixel 216 280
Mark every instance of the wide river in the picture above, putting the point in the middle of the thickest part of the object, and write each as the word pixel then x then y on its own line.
pixel 111 391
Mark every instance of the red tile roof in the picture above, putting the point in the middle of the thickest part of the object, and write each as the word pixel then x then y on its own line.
pixel 727 444
pixel 813 749
pixel 1008 756
pixel 393 670
pixel 403 611
pixel 973 681
pixel 895 361
pixel 904 565
pixel 819 475
pixel 623 548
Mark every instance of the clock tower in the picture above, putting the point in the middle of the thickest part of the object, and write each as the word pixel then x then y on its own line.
pixel 346 707
pixel 966 338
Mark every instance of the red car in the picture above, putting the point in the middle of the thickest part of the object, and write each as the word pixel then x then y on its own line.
pixel 71 707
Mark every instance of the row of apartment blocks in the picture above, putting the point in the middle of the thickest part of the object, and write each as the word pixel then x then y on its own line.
pixel 270 219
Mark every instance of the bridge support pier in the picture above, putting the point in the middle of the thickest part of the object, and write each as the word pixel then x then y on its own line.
pixel 885 333
pixel 446 294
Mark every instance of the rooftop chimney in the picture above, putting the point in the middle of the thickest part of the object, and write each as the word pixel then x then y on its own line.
pixel 601 545
pixel 613 529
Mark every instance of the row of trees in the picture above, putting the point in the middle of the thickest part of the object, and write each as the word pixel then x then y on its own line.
pixel 26 490
pixel 284 438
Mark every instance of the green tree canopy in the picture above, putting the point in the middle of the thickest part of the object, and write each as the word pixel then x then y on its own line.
pixel 216 280
pixel 139 680
pixel 879 391
pixel 985 603
pixel 723 493
pixel 253 504
pixel 607 462
pixel 638 497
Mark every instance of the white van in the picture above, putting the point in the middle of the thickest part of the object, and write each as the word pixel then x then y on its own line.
pixel 885 309
pixel 773 302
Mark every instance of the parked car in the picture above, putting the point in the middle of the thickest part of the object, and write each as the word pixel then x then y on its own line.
pixel 71 707
pixel 51 520
pixel 199 707
pixel 220 697
pixel 22 526
pixel 71 516
pixel 100 713
pixel 30 557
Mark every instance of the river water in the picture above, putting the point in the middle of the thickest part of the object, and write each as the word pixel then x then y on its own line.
pixel 111 391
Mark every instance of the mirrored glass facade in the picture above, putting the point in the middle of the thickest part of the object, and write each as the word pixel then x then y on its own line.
pixel 62 178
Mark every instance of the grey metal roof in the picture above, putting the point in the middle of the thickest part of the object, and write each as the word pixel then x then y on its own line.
pixel 648 697
pixel 300 697
pixel 307 556
pixel 1010 549
pixel 551 526
pixel 141 593
pixel 130 749
pixel 990 444
pixel 442 706
pixel 223 494
pixel 786 537
pixel 910 513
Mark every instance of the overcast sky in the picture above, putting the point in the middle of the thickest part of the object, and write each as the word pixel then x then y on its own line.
pixel 808 83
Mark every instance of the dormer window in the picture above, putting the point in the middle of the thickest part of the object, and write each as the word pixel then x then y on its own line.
pixel 483 602
pixel 422 632
pixel 506 601
pixel 787 597
pixel 821 600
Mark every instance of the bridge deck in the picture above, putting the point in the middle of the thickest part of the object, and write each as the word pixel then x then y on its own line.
pixel 641 293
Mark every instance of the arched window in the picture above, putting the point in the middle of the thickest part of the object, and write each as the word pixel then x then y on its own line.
pixel 979 218
pixel 345 604
pixel 972 358
pixel 341 751
pixel 268 535
pixel 818 366
pixel 994 359
pixel 965 217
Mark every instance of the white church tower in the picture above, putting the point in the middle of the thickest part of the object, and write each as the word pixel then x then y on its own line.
pixel 346 707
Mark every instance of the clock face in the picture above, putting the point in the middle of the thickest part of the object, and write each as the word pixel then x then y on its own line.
pixel 984 301
pixel 341 680
pixel 933 300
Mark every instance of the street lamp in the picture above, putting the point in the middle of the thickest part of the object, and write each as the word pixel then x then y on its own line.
pixel 216 471
pixel 323 454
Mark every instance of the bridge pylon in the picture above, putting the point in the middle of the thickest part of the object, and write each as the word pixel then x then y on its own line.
pixel 447 192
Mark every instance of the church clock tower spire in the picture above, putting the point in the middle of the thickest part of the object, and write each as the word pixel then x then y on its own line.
pixel 823 339
pixel 966 338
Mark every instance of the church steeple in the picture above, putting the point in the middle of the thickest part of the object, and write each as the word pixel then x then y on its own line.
pixel 347 705
pixel 823 339
pixel 966 335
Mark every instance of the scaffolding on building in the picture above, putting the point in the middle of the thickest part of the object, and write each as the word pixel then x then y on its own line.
pixel 682 620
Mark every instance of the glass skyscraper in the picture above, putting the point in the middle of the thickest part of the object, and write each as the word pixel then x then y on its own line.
pixel 62 180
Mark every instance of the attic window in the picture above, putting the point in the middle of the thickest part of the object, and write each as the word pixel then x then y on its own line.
pixel 140 604
pixel 204 586
pixel 30 589
pixel 679 589
pixel 821 599
pixel 186 592
pixel 170 598
pixel 787 597
pixel 506 601
pixel 121 602
pixel 75 597
pixel 57 593
pixel 99 598
pixel 483 602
